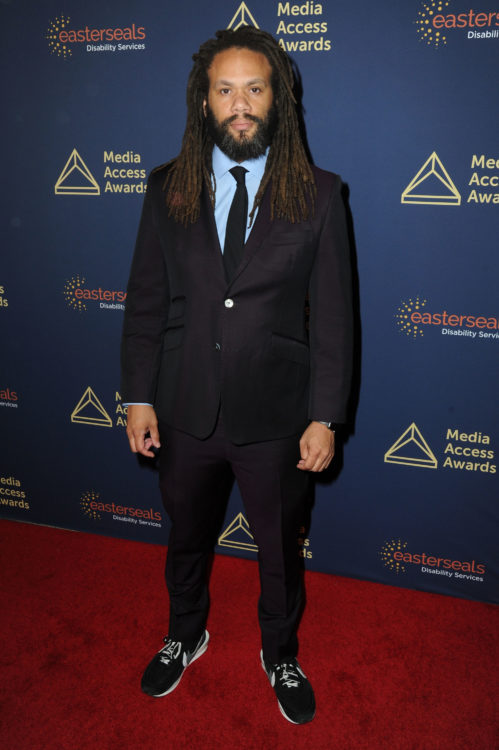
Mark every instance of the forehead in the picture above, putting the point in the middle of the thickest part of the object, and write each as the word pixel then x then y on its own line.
pixel 238 63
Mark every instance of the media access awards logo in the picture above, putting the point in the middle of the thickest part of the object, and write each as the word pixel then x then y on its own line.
pixel 414 321
pixel 4 302
pixel 64 39
pixel 435 26
pixel 460 449
pixel 432 185
pixel 237 535
pixel 76 178
pixel 90 411
pixel 411 449
pixel 397 558
pixel 242 17
pixel 12 494
pixel 300 27
pixel 122 174
pixel 97 510
pixel 78 296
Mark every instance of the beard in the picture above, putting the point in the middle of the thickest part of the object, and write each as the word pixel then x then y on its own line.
pixel 241 147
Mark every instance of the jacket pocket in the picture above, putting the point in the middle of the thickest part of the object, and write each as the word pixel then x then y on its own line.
pixel 177 307
pixel 173 337
pixel 292 349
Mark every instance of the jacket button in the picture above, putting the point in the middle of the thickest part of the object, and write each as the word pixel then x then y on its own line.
pixel 217 346
pixel 229 303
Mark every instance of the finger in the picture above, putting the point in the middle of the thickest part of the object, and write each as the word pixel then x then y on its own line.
pixel 322 461
pixel 143 446
pixel 154 436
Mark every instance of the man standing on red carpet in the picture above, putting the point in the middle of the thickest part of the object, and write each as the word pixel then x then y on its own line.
pixel 238 235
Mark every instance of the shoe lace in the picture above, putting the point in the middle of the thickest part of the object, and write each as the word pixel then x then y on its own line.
pixel 287 675
pixel 171 650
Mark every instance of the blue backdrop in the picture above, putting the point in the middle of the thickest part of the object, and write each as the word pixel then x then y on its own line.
pixel 401 100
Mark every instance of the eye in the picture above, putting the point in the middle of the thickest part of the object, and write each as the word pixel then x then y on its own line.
pixel 255 90
pixel 224 92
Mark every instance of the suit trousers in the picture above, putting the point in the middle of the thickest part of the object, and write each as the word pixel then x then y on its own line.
pixel 196 477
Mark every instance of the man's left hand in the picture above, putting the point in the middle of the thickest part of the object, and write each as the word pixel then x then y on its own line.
pixel 316 447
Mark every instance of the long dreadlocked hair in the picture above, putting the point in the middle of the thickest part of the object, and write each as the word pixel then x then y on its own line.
pixel 287 168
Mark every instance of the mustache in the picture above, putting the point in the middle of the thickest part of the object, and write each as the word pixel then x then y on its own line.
pixel 228 120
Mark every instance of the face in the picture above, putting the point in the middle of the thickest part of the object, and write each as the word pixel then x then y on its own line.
pixel 239 106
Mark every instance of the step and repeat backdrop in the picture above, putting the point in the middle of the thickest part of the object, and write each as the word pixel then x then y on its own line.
pixel 401 99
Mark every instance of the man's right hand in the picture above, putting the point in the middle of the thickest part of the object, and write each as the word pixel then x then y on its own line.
pixel 141 420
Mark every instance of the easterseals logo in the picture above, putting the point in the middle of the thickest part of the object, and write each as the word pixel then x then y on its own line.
pixel 395 556
pixel 435 26
pixel 414 321
pixel 62 39
pixel 9 397
pixel 78 296
pixel 93 507
pixel 404 319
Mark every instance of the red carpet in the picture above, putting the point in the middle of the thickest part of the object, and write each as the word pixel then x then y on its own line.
pixel 82 615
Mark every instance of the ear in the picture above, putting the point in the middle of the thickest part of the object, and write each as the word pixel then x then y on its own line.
pixel 204 107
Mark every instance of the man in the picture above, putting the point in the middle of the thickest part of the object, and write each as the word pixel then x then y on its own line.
pixel 216 347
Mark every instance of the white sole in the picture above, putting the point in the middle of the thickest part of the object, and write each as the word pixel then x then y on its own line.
pixel 198 653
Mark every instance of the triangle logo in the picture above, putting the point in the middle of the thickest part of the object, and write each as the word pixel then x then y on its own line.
pixel 76 178
pixel 411 449
pixel 242 17
pixel 432 186
pixel 237 535
pixel 89 410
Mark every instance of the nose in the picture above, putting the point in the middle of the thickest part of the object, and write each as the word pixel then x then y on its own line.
pixel 240 103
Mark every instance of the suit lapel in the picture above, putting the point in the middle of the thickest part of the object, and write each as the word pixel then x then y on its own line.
pixel 209 229
pixel 259 231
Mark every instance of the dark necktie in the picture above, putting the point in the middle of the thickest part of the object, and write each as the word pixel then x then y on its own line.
pixel 236 224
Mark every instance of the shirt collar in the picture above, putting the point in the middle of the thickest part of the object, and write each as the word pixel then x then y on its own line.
pixel 221 164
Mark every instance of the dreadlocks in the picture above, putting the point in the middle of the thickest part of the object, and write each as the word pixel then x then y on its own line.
pixel 287 167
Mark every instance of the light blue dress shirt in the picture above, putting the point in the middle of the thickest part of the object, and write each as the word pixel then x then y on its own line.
pixel 225 187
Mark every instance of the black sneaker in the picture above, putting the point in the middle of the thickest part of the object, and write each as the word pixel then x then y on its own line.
pixel 165 671
pixel 294 692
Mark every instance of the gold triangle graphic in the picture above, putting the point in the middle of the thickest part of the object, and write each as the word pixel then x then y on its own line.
pixel 87 409
pixel 76 178
pixel 242 17
pixel 432 167
pixel 238 528
pixel 397 453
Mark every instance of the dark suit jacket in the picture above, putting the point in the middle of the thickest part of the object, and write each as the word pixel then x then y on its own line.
pixel 192 341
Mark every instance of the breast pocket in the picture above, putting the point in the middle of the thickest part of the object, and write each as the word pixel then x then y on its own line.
pixel 282 249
